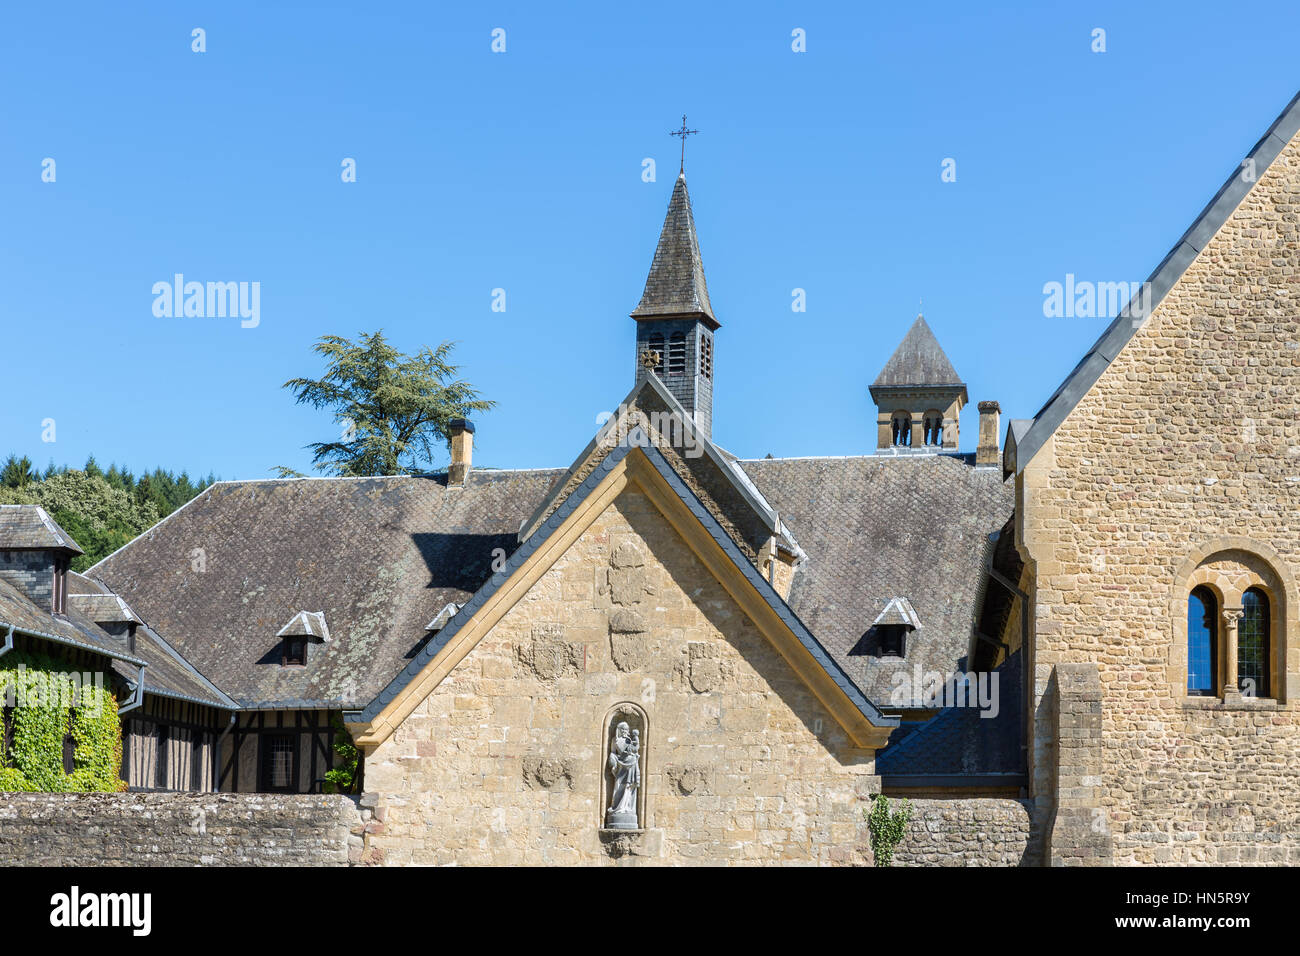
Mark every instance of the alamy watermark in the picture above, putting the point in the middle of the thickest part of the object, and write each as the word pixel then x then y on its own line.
pixel 211 300
pixel 50 690
pixel 939 689
pixel 1082 299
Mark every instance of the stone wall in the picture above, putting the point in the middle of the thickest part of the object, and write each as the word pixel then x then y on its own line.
pixel 32 573
pixel 504 762
pixel 1187 447
pixel 992 832
pixel 177 829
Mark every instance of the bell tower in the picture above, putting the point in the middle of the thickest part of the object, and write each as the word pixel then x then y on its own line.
pixel 918 395
pixel 674 320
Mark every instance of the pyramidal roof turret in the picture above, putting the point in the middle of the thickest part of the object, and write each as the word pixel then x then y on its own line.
pixel 919 360
pixel 676 286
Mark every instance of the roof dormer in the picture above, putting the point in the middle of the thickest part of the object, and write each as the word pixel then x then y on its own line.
pixel 304 628
pixel 35 554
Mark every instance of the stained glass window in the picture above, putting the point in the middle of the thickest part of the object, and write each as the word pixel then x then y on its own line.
pixel 1202 638
pixel 1252 644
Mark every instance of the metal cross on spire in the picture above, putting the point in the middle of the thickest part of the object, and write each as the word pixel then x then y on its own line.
pixel 683 133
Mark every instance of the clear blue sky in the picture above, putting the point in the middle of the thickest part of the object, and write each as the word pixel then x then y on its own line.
pixel 522 170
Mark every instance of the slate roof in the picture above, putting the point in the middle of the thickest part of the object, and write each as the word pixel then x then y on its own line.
pixel 636 438
pixel 878 527
pixel 28 527
pixel 379 557
pixel 919 360
pixel 958 741
pixel 167 673
pixel 676 283
pixel 1171 269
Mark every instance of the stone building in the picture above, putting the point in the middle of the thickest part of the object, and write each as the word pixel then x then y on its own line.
pixel 667 654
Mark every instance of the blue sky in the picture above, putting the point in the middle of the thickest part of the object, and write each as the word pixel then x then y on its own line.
pixel 522 171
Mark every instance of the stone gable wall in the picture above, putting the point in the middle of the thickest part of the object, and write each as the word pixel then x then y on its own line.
pixel 504 763
pixel 178 829
pixel 1191 437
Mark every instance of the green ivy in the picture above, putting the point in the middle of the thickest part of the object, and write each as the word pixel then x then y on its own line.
pixel 887 827
pixel 342 779
pixel 42 691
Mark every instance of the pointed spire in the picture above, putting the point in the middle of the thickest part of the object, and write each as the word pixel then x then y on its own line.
pixel 918 360
pixel 675 286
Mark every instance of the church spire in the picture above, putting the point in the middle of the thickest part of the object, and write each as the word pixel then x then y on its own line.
pixel 675 321
pixel 676 283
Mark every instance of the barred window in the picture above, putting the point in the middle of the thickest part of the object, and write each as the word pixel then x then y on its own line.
pixel 277 756
pixel 706 355
pixel 1253 645
pixel 1202 642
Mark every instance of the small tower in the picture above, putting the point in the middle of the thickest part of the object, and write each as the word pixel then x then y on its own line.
pixel 674 319
pixel 918 395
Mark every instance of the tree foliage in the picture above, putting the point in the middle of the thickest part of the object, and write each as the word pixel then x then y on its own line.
pixel 393 409
pixel 102 510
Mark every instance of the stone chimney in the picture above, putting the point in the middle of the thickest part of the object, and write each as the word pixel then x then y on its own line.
pixel 988 452
pixel 462 450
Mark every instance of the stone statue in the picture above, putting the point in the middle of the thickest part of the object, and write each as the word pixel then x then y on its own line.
pixel 625 765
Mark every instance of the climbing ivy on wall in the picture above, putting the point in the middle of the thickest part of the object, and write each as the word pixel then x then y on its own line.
pixel 887 827
pixel 41 690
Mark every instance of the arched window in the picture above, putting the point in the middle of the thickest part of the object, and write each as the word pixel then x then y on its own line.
pixel 677 353
pixel 1253 644
pixel 902 428
pixel 1202 642
pixel 933 428
pixel 655 343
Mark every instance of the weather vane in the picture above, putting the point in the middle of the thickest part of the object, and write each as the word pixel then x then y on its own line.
pixel 683 133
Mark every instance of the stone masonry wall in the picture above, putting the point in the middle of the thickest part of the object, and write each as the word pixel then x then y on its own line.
pixel 32 573
pixel 1189 442
pixel 504 763
pixel 991 832
pixel 177 829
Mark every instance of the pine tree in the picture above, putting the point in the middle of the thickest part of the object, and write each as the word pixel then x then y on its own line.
pixel 393 409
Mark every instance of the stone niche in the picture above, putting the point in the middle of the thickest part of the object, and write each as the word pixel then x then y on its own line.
pixel 624 841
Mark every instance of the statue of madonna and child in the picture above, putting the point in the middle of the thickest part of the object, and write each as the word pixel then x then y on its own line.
pixel 625 766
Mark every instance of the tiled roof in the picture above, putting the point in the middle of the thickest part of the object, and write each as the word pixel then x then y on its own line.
pixel 918 360
pixel 25 527
pixel 379 557
pixel 876 527
pixel 676 283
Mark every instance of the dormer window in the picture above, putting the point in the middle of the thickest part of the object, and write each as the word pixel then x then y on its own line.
pixel 893 625
pixel 304 629
pixel 295 651
pixel 893 640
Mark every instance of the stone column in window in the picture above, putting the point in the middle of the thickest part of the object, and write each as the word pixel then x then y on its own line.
pixel 1231 618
